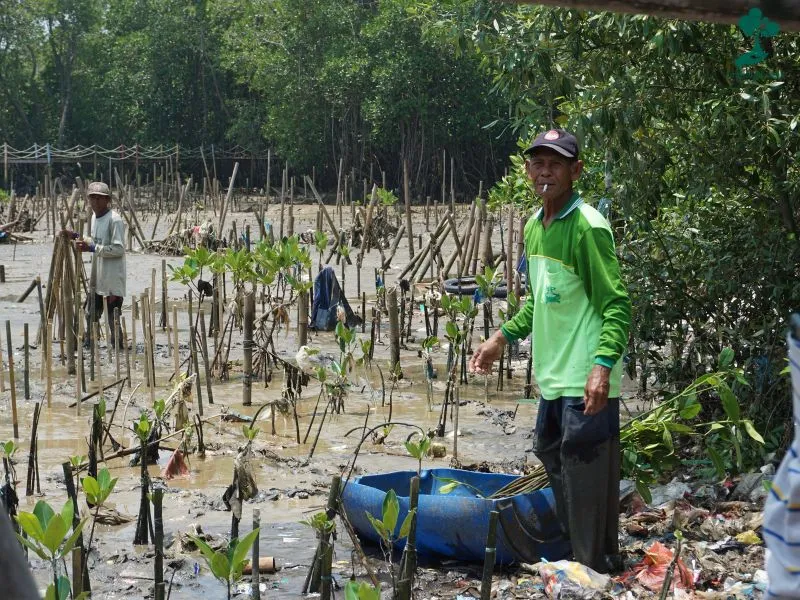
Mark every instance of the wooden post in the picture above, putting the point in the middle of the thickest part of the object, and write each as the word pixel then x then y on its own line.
pixel 489 557
pixel 407 199
pixel 249 318
pixel 394 330
pixel 175 353
pixel 302 319
pixel 408 564
pixel 158 527
pixel 255 578
pixel 127 353
pixel 26 376
pixel 2 371
pixel 164 323
pixel 11 385
pixel 204 348
pixel 49 360
pixel 196 365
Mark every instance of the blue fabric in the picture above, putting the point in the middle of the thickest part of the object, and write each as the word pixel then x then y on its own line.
pixel 327 296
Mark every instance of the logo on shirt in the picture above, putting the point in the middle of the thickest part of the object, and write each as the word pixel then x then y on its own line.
pixel 551 296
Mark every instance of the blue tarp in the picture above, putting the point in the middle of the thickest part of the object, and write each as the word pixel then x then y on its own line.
pixel 328 296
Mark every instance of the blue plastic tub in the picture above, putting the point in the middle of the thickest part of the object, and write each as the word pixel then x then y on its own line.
pixel 455 525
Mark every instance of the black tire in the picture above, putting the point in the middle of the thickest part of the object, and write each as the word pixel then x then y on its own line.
pixel 466 286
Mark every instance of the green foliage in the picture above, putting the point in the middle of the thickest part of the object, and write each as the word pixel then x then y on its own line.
pixel 227 565
pixel 386 197
pixel 98 490
pixel 320 523
pixel 354 590
pixel 250 433
pixel 47 531
pixel 418 449
pixel 386 525
pixel 488 282
pixel 142 427
pixel 10 448
pixel 732 443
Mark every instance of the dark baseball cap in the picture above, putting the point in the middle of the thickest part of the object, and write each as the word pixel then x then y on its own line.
pixel 559 140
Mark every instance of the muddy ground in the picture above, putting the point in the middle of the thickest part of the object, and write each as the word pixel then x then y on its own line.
pixel 290 488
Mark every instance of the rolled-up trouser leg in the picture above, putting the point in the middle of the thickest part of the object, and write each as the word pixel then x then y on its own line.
pixel 587 465
pixel 547 447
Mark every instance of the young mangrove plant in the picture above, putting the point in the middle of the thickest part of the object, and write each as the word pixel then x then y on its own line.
pixel 386 526
pixel 97 492
pixel 46 534
pixel 227 565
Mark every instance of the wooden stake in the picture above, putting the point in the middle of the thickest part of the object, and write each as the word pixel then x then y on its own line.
pixel 158 526
pixel 256 562
pixel 394 331
pixel 27 364
pixel 249 318
pixel 11 385
pixel 127 354
pixel 175 351
pixel 195 366
pixel 489 557
pixel 204 349
pixel 407 199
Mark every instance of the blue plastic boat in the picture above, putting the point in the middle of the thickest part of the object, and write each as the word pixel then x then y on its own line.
pixel 455 525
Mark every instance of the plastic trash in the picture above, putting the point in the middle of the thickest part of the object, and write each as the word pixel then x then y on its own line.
pixel 652 570
pixel 749 538
pixel 569 579
pixel 674 490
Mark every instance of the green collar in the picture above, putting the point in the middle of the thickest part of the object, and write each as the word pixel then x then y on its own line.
pixel 574 202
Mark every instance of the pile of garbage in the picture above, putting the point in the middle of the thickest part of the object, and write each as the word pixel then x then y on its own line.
pixel 693 540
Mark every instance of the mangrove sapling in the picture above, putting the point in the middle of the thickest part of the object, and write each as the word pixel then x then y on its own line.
pixel 10 448
pixel 227 565
pixel 428 344
pixel 46 535
pixel 355 590
pixel 418 449
pixel 385 528
pixel 97 491
pixel 321 243
pixel 143 429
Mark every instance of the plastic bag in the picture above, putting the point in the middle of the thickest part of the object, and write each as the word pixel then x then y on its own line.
pixel 565 578
pixel 653 569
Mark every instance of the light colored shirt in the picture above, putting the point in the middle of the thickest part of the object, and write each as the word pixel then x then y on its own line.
pixel 108 236
pixel 577 311
pixel 782 511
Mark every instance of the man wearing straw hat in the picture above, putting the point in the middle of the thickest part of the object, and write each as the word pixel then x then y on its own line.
pixel 108 264
pixel 577 314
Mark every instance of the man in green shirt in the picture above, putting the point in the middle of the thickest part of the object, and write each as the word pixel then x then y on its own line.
pixel 577 313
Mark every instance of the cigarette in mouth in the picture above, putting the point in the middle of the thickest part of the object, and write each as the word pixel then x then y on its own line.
pixel 545 187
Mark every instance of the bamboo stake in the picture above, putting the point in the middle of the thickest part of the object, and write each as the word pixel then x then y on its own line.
pixel 256 562
pixel 195 366
pixel 394 331
pixel 26 365
pixel 11 385
pixel 127 354
pixel 407 199
pixel 490 557
pixel 224 212
pixel 175 353
pixel 204 349
pixel 49 360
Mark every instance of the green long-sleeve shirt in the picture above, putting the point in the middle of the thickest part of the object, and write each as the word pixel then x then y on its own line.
pixel 577 310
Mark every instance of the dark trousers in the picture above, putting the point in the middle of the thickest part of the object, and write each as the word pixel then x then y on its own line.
pixel 581 456
pixel 114 302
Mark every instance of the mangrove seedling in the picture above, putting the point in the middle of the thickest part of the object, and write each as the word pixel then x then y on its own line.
pixel 419 449
pixel 361 591
pixel 386 525
pixel 227 565
pixel 97 492
pixel 46 532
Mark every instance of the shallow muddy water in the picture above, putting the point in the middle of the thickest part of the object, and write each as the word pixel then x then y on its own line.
pixel 289 489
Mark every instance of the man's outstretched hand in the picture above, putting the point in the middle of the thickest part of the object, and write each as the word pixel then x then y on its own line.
pixel 484 356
